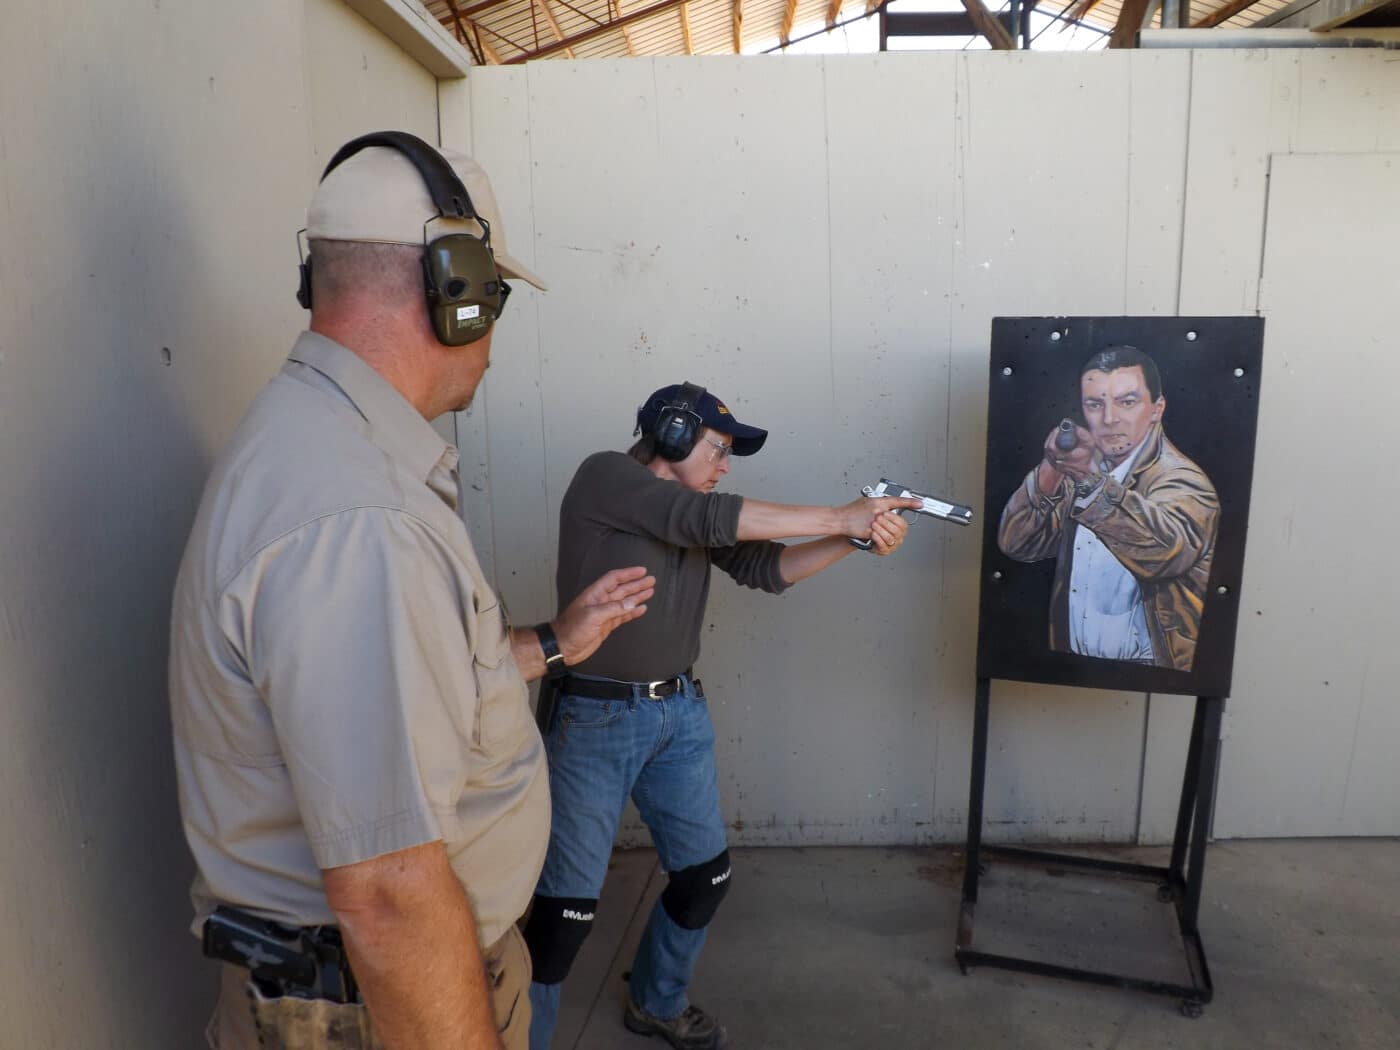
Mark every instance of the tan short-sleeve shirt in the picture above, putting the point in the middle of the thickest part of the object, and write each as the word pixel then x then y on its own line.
pixel 341 679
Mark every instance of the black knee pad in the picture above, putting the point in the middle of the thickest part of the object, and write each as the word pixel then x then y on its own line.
pixel 692 896
pixel 556 931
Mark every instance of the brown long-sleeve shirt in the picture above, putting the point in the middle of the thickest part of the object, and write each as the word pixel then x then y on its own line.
pixel 618 513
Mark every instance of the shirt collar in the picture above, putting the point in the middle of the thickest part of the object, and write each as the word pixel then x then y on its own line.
pixel 1121 472
pixel 394 424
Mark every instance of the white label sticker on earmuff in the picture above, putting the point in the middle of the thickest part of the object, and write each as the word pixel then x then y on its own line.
pixel 468 313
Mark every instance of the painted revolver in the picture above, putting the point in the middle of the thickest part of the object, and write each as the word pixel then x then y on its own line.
pixel 932 506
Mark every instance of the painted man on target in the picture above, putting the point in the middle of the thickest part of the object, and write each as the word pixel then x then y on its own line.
pixel 1130 520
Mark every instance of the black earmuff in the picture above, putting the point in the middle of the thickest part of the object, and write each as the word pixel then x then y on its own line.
pixel 678 425
pixel 464 291
pixel 304 289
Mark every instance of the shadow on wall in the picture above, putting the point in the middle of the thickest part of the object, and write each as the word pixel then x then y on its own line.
pixel 96 868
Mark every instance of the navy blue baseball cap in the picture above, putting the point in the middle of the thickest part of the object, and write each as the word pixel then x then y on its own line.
pixel 712 412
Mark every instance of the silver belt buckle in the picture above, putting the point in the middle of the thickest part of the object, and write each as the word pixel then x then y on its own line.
pixel 652 694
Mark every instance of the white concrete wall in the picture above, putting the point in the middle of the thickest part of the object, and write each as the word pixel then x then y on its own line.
pixel 825 242
pixel 155 161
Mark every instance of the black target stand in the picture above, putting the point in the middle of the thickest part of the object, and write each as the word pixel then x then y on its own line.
pixel 1178 884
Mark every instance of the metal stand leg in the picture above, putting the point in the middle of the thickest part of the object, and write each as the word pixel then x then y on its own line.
pixel 973 867
pixel 1179 883
pixel 1188 797
pixel 1208 713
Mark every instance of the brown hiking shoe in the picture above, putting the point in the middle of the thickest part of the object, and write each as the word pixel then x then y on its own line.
pixel 693 1029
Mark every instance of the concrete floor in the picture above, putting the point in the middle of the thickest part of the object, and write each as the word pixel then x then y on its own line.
pixel 853 948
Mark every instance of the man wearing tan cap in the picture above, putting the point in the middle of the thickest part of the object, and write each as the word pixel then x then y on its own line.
pixel 361 782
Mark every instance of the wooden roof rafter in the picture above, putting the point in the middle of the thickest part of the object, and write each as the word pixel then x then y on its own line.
pixel 553 23
pixel 483 7
pixel 685 28
pixel 988 26
pixel 615 6
pixel 789 14
pixel 481 42
pixel 463 35
pixel 561 27
pixel 1081 9
pixel 1131 17
pixel 1226 13
pixel 595 31
pixel 481 29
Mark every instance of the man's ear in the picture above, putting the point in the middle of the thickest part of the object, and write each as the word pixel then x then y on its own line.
pixel 1158 409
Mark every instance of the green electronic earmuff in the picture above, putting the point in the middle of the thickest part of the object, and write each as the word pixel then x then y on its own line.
pixel 678 424
pixel 465 293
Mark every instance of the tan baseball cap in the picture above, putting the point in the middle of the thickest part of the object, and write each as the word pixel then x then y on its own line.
pixel 378 195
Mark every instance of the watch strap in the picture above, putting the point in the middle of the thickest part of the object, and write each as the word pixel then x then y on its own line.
pixel 554 665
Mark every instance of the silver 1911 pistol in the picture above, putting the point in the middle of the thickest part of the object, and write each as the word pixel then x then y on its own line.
pixel 932 506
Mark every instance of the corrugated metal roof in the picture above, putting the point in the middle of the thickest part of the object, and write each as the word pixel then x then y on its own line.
pixel 1253 14
pixel 513 30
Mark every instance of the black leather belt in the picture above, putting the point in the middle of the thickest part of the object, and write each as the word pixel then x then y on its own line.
pixel 572 685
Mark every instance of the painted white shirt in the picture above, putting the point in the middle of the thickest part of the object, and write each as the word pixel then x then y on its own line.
pixel 1107 618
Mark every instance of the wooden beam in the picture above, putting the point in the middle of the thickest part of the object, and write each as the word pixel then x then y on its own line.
pixel 871 6
pixel 737 24
pixel 457 19
pixel 548 13
pixel 485 5
pixel 989 27
pixel 1226 13
pixel 616 7
pixel 486 48
pixel 833 14
pixel 685 28
pixel 1130 17
pixel 595 31
pixel 463 35
pixel 789 13
pixel 1081 9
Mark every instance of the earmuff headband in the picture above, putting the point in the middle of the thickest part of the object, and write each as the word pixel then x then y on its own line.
pixel 678 424
pixel 449 196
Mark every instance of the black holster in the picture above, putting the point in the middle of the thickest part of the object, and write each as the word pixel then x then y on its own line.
pixel 307 962
pixel 547 706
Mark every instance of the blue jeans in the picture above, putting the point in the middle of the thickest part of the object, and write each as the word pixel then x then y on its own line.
pixel 662 753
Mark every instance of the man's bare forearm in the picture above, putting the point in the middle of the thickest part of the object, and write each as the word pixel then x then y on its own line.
pixel 412 939
pixel 529 657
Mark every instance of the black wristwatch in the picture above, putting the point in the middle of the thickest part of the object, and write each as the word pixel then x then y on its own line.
pixel 554 665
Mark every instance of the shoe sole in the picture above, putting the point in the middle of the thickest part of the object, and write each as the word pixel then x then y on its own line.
pixel 640 1026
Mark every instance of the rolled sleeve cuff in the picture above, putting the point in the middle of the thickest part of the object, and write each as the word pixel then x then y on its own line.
pixel 402 830
pixel 1045 504
pixel 773 581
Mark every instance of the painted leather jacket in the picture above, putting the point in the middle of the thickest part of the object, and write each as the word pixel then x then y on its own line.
pixel 1160 524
